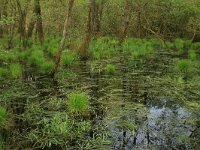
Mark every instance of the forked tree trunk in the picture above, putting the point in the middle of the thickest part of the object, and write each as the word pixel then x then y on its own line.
pixel 89 31
pixel 62 42
pixel 125 20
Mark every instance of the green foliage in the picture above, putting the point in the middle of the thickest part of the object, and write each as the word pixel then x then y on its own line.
pixel 3 72
pixel 59 125
pixel 68 57
pixel 195 46
pixel 36 58
pixel 78 102
pixel 15 70
pixel 192 55
pixel 184 65
pixel 110 69
pixel 46 67
pixel 3 116
pixel 138 48
pixel 51 46
pixel 179 45
pixel 104 47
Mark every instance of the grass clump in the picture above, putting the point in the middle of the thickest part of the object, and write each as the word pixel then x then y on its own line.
pixel 15 70
pixel 110 69
pixel 36 58
pixel 192 55
pixel 184 65
pixel 78 102
pixel 3 116
pixel 3 72
pixel 47 67
pixel 179 45
pixel 58 125
pixel 103 48
pixel 138 48
pixel 68 58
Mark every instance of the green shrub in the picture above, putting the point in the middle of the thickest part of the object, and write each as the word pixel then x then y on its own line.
pixel 192 55
pixel 3 116
pixel 68 57
pixel 110 69
pixel 78 102
pixel 184 65
pixel 15 70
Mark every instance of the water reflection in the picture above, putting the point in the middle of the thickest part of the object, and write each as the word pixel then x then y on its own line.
pixel 163 128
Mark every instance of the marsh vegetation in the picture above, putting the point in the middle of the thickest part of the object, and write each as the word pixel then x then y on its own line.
pixel 123 75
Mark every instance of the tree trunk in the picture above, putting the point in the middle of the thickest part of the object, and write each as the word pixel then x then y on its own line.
pixel 62 42
pixel 98 16
pixel 39 26
pixel 125 20
pixel 89 31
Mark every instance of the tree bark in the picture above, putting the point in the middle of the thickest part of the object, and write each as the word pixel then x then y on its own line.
pixel 89 31
pixel 125 19
pixel 39 26
pixel 62 42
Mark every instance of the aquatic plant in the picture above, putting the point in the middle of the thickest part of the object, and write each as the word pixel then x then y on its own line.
pixel 195 46
pixel 138 48
pixel 110 69
pixel 3 116
pixel 192 55
pixel 104 47
pixel 179 45
pixel 184 65
pixel 15 70
pixel 58 125
pixel 3 72
pixel 68 57
pixel 78 102
pixel 46 67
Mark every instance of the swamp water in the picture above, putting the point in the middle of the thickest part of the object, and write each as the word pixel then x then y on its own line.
pixel 140 106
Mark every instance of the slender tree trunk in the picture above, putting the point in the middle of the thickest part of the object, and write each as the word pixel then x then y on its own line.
pixel 62 42
pixel 98 16
pixel 89 31
pixel 125 19
pixel 39 26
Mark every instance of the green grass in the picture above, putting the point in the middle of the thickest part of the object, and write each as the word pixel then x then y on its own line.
pixel 46 67
pixel 110 69
pixel 184 65
pixel 3 72
pixel 78 102
pixel 192 55
pixel 103 48
pixel 58 125
pixel 15 70
pixel 3 116
pixel 179 45
pixel 36 58
pixel 68 58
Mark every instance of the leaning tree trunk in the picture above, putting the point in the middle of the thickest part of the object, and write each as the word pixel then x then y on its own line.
pixel 125 20
pixel 62 42
pixel 89 31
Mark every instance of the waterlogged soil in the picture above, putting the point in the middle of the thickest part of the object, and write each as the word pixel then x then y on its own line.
pixel 142 105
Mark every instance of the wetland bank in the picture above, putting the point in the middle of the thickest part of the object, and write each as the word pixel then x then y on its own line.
pixel 116 79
